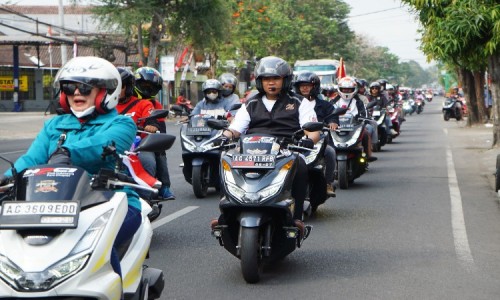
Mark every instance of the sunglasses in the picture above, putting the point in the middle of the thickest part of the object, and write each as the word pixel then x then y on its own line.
pixel 69 88
pixel 211 92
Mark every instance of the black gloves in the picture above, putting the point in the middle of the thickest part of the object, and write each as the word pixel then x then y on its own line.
pixel 220 140
pixel 4 180
pixel 60 156
pixel 306 143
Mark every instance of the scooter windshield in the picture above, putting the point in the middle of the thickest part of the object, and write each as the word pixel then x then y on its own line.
pixel 198 125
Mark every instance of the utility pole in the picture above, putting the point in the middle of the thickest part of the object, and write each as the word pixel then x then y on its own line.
pixel 64 54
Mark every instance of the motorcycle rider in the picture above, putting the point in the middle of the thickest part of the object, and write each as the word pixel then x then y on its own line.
pixel 229 84
pixel 349 99
pixel 90 87
pixel 278 111
pixel 362 95
pixel 130 106
pixel 308 85
pixel 184 102
pixel 148 82
pixel 213 103
pixel 376 95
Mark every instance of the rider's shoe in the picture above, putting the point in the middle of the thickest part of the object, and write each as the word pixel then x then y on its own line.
pixel 166 194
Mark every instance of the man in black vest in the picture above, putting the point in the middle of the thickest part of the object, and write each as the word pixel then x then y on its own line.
pixel 277 111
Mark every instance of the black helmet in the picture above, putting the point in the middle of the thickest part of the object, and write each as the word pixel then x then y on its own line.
pixel 148 82
pixel 308 77
pixel 383 83
pixel 228 78
pixel 273 66
pixel 128 81
pixel 375 85
pixel 211 85
pixel 361 83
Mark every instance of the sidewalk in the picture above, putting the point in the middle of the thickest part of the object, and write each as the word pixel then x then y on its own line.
pixel 477 141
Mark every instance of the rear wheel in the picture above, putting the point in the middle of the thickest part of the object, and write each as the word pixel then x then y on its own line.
pixel 343 174
pixel 200 185
pixel 250 254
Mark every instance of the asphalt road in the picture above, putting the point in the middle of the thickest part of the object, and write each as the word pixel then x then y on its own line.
pixel 422 223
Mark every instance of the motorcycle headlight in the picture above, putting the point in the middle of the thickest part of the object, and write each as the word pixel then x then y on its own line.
pixel 40 281
pixel 190 146
pixel 92 235
pixel 57 273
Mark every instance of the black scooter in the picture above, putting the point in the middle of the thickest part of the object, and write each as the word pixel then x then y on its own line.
pixel 256 223
pixel 200 155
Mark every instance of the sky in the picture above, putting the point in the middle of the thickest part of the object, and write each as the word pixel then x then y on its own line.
pixel 389 24
pixel 385 22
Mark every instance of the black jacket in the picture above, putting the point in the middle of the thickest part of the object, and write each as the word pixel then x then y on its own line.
pixel 281 121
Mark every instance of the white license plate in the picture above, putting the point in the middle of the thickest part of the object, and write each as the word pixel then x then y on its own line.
pixel 21 214
pixel 253 161
pixel 19 208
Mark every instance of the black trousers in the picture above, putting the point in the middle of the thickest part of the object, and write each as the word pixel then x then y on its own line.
pixel 299 188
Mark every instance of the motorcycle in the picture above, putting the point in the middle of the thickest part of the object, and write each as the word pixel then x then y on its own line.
pixel 396 123
pixel 379 114
pixel 348 143
pixel 201 157
pixel 131 160
pixel 315 160
pixel 452 108
pixel 256 223
pixel 428 97
pixel 409 106
pixel 182 108
pixel 420 105
pixel 56 229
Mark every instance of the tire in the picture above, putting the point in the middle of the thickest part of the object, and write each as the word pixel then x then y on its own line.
pixel 343 174
pixel 382 134
pixel 446 115
pixel 200 185
pixel 459 115
pixel 144 287
pixel 497 174
pixel 250 254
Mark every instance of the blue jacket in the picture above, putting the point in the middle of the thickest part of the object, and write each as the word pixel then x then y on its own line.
pixel 84 142
pixel 216 109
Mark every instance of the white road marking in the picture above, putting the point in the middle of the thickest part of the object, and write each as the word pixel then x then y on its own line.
pixel 13 152
pixel 462 248
pixel 173 216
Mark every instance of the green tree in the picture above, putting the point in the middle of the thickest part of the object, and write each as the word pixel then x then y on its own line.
pixel 290 29
pixel 466 35
pixel 201 23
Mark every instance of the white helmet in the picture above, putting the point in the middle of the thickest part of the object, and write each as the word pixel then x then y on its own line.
pixel 347 88
pixel 92 71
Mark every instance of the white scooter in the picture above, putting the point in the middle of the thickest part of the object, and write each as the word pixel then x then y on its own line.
pixel 57 233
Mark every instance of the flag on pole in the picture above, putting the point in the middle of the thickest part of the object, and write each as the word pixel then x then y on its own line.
pixel 178 65
pixel 341 70
pixel 75 48
pixel 186 67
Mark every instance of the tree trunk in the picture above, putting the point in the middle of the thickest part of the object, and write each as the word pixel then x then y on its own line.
pixel 470 96
pixel 140 44
pixel 156 31
pixel 479 88
pixel 494 72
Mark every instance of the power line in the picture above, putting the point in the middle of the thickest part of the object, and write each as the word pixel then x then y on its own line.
pixel 373 12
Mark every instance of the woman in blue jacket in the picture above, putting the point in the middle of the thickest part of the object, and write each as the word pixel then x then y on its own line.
pixel 89 91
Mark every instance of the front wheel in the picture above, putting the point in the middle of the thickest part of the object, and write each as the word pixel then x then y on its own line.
pixel 200 185
pixel 446 115
pixel 497 174
pixel 250 254
pixel 343 174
